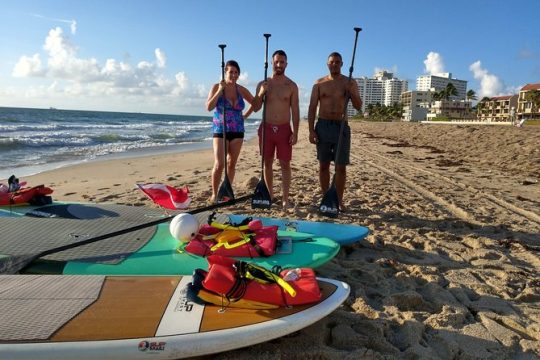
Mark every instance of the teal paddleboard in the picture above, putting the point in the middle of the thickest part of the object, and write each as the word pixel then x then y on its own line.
pixel 161 257
pixel 156 254
pixel 343 234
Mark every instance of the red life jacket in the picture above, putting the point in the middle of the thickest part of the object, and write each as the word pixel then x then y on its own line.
pixel 233 283
pixel 24 196
pixel 252 243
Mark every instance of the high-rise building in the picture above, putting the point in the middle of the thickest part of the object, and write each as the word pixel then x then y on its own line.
pixel 383 89
pixel 439 82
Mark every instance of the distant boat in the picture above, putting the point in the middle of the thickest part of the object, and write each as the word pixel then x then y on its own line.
pixel 52 108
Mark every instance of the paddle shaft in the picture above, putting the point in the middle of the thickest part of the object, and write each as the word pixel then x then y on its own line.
pixel 261 197
pixel 344 119
pixel 130 229
pixel 222 47
pixel 266 36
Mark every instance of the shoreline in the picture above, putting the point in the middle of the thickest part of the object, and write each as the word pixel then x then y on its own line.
pixel 450 268
pixel 27 171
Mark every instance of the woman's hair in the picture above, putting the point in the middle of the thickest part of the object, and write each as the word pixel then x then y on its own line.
pixel 233 64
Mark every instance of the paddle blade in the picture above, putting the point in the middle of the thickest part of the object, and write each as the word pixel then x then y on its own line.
pixel 225 192
pixel 261 197
pixel 10 265
pixel 330 203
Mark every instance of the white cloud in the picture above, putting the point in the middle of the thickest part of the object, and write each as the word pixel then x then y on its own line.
pixel 73 27
pixel 434 63
pixel 490 85
pixel 28 66
pixel 181 80
pixel 72 23
pixel 160 57
pixel 513 89
pixel 119 81
pixel 53 87
pixel 57 45
pixel 243 79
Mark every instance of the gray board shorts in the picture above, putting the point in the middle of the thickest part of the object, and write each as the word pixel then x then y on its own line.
pixel 328 134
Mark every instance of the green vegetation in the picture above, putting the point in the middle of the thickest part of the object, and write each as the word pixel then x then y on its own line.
pixel 471 95
pixel 534 97
pixel 449 90
pixel 380 112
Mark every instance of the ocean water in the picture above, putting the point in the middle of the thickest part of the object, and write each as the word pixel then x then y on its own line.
pixel 35 140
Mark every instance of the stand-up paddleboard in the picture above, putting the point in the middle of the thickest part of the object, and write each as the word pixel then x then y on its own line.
pixel 149 251
pixel 142 317
pixel 343 234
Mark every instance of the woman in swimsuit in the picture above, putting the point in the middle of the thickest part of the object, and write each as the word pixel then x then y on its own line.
pixel 230 96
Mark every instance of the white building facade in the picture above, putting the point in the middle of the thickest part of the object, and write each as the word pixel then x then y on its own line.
pixel 383 89
pixel 416 105
pixel 450 109
pixel 439 82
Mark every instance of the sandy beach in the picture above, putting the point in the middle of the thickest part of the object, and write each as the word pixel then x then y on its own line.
pixel 451 267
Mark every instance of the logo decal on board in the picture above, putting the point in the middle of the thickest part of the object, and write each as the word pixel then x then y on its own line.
pixel 152 345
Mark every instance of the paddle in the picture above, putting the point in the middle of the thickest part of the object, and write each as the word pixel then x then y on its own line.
pixel 225 192
pixel 14 264
pixel 330 202
pixel 261 198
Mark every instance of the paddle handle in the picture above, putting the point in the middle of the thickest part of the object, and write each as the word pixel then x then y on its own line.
pixel 222 47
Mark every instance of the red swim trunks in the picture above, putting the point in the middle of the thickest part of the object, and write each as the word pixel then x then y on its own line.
pixel 276 141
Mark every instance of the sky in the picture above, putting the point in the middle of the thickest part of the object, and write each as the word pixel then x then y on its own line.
pixel 162 56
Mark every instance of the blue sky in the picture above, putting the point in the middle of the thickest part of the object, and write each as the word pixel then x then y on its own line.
pixel 161 56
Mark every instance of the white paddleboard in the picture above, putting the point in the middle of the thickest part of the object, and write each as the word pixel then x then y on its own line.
pixel 135 317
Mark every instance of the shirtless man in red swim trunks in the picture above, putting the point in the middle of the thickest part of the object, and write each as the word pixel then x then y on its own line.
pixel 282 106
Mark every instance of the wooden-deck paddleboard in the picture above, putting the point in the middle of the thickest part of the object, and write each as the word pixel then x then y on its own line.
pixel 141 317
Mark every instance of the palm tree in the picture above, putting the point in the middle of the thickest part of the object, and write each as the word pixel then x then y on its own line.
pixel 438 95
pixel 369 109
pixel 450 90
pixel 534 97
pixel 471 95
pixel 396 110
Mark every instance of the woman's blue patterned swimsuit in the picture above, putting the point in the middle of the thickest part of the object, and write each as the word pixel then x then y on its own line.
pixel 234 119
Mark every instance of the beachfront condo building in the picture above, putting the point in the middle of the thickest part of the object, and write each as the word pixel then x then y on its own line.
pixel 416 105
pixel 439 82
pixel 449 109
pixel 383 88
pixel 498 108
pixel 528 106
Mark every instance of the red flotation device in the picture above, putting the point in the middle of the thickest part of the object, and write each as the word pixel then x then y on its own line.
pixel 228 240
pixel 25 195
pixel 232 283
